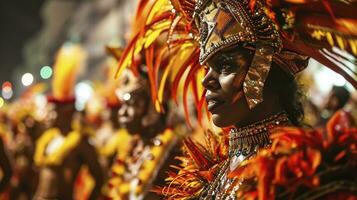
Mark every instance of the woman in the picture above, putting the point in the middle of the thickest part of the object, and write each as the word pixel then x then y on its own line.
pixel 252 50
pixel 152 145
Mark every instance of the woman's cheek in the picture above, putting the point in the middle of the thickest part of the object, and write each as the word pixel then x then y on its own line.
pixel 131 111
pixel 227 82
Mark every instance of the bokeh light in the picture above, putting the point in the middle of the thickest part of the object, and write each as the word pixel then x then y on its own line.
pixel 326 79
pixel 7 93
pixel 83 92
pixel 2 102
pixel 6 84
pixel 46 72
pixel 27 79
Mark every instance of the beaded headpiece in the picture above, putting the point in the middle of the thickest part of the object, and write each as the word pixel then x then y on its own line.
pixel 284 32
pixel 225 23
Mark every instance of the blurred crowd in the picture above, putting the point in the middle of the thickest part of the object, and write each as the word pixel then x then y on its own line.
pixel 117 145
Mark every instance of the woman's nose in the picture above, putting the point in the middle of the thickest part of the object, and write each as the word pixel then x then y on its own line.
pixel 210 81
pixel 123 111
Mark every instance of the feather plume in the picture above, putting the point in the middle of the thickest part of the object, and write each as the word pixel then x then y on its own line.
pixel 67 66
pixel 198 167
pixel 316 28
pixel 171 54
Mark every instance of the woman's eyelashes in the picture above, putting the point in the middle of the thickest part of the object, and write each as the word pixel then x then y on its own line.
pixel 225 68
pixel 228 68
pixel 227 64
pixel 224 64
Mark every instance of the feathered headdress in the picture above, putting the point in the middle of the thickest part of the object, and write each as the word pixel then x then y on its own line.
pixel 67 66
pixel 111 83
pixel 170 53
pixel 283 31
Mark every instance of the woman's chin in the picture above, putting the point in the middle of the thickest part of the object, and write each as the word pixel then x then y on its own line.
pixel 221 120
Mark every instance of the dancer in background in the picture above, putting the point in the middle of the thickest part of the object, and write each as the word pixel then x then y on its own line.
pixel 110 135
pixel 26 128
pixel 152 147
pixel 336 100
pixel 61 150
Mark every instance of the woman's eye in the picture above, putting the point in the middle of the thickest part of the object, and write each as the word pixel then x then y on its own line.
pixel 225 68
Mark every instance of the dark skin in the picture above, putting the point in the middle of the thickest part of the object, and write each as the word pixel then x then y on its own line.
pixel 64 117
pixel 5 167
pixel 58 181
pixel 138 116
pixel 225 97
pixel 104 161
pixel 114 117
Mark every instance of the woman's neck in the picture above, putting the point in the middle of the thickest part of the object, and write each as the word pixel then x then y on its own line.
pixel 269 107
pixel 64 128
pixel 149 133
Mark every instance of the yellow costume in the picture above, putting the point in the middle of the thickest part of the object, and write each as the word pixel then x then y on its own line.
pixel 54 146
pixel 55 155
pixel 115 144
pixel 135 170
pixel 108 138
pixel 66 70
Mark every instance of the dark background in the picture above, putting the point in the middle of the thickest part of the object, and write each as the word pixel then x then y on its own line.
pixel 20 20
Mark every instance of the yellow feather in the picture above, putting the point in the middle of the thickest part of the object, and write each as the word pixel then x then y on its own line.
pixel 200 75
pixel 329 38
pixel 159 5
pixel 353 45
pixel 163 81
pixel 340 42
pixel 154 33
pixel 66 69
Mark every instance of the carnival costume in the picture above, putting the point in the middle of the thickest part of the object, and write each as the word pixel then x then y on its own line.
pixel 137 168
pixel 108 137
pixel 289 162
pixel 66 70
pixel 54 147
pixel 139 165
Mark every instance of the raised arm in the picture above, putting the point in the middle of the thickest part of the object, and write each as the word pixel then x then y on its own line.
pixel 90 158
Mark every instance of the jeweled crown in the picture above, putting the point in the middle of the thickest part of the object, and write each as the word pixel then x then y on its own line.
pixel 224 23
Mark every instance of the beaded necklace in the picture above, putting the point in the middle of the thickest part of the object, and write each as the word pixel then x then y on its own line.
pixel 243 144
pixel 244 141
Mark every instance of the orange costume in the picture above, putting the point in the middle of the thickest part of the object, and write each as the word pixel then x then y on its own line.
pixel 271 161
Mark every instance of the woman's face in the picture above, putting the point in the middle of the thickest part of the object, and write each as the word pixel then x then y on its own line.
pixel 224 84
pixel 133 109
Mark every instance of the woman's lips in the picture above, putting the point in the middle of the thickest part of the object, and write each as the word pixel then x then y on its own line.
pixel 213 104
pixel 124 120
